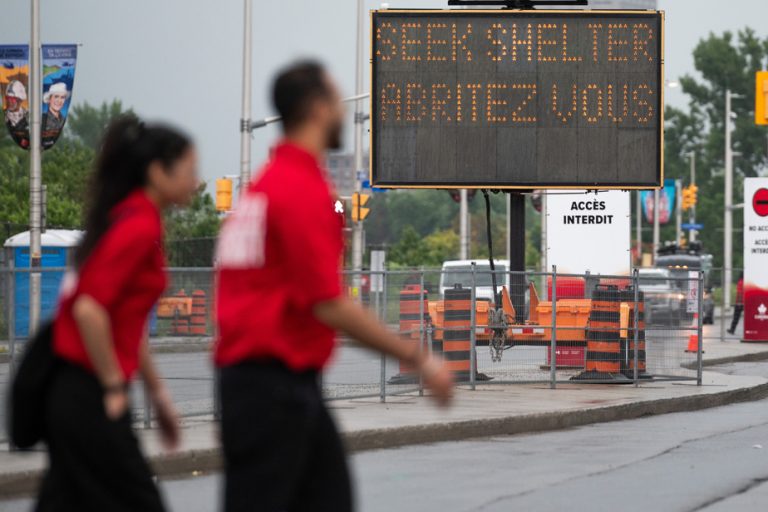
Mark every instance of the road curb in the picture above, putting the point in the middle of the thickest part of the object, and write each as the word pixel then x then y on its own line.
pixel 207 460
pixel 379 439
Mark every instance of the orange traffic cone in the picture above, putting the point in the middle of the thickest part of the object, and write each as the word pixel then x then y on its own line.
pixel 693 339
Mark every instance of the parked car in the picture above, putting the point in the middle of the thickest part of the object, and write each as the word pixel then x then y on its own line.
pixel 664 300
pixel 459 272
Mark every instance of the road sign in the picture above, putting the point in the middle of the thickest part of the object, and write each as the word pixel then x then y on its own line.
pixel 760 202
pixel 692 297
pixel 756 260
pixel 367 186
pixel 692 227
pixel 517 99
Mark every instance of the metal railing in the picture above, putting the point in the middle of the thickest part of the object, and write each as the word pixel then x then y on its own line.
pixel 535 344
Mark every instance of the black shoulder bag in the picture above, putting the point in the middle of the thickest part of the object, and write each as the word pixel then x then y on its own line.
pixel 29 389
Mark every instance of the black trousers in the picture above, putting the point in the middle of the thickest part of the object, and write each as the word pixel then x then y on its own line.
pixel 738 309
pixel 282 452
pixel 95 462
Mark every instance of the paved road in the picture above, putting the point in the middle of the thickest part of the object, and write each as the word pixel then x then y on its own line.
pixel 714 461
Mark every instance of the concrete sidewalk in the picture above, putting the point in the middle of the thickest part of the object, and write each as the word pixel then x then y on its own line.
pixel 489 411
pixel 731 350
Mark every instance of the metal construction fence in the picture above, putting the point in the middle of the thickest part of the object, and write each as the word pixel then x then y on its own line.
pixel 601 330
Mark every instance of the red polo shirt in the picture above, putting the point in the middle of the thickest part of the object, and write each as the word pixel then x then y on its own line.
pixel 279 254
pixel 125 274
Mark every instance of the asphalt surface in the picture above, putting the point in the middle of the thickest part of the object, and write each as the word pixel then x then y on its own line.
pixel 714 460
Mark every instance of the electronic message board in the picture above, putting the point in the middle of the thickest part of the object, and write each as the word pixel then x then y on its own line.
pixel 517 99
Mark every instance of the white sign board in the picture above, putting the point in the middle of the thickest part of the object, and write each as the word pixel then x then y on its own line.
pixel 755 259
pixel 377 265
pixel 692 299
pixel 589 232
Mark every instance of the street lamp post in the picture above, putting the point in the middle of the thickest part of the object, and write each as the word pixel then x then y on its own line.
pixel 35 174
pixel 357 229
pixel 728 214
pixel 245 119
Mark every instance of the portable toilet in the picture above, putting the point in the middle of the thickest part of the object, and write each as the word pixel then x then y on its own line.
pixel 57 252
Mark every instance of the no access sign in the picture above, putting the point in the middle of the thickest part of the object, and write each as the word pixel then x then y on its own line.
pixel 760 202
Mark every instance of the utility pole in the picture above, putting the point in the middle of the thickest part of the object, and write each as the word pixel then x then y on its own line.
pixel 728 221
pixel 357 228
pixel 464 225
pixel 35 174
pixel 245 118
pixel 692 219
pixel 678 212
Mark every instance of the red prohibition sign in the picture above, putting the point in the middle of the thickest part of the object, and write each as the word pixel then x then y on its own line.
pixel 760 202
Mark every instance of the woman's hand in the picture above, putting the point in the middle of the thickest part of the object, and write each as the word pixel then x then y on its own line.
pixel 115 402
pixel 167 418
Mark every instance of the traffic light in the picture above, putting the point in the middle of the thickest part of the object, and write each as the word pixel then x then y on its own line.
pixel 223 194
pixel 690 197
pixel 761 98
pixel 359 213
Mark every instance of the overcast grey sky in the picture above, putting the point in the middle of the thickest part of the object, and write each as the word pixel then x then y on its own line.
pixel 180 60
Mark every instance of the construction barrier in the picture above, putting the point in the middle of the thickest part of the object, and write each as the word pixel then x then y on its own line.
pixel 628 336
pixel 180 322
pixel 603 360
pixel 198 320
pixel 414 316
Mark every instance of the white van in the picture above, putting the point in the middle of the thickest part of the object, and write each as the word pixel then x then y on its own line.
pixel 460 272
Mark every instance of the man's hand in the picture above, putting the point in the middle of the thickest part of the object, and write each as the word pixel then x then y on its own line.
pixel 349 317
pixel 438 379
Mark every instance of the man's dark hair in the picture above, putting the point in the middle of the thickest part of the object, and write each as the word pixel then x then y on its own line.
pixel 294 90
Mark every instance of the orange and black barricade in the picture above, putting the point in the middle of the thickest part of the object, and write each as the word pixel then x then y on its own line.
pixel 603 359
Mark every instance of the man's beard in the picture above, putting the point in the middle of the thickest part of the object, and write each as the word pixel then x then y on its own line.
pixel 333 137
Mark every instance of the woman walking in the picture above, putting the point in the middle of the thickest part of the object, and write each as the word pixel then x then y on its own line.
pixel 99 333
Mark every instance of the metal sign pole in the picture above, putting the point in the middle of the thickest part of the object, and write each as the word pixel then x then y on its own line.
pixel 245 119
pixel 553 340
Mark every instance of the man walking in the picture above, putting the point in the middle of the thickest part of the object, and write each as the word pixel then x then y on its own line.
pixel 279 304
pixel 738 307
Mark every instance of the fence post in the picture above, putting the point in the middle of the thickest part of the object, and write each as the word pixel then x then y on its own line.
pixel 383 363
pixel 700 330
pixel 421 326
pixel 723 314
pixel 147 407
pixel 553 337
pixel 472 333
pixel 635 327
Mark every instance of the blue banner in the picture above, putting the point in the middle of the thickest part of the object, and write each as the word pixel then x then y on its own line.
pixel 667 203
pixel 58 79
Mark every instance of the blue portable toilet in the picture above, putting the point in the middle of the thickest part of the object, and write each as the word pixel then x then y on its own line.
pixel 57 248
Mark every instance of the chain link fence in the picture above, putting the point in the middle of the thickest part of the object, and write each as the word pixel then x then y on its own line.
pixel 490 328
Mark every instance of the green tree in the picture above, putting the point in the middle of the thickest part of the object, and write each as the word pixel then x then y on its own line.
pixel 87 123
pixel 724 62
pixel 200 219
